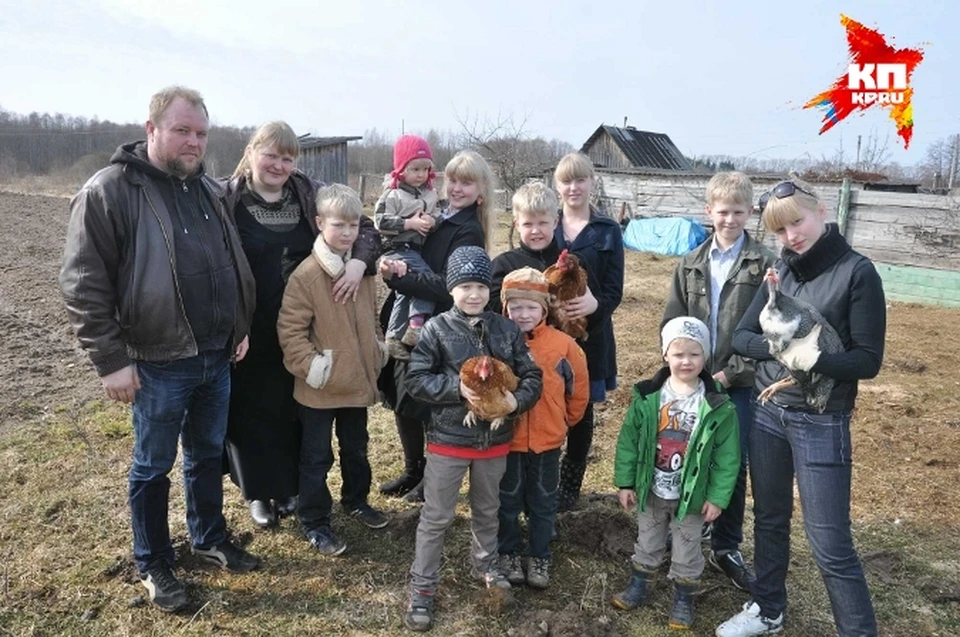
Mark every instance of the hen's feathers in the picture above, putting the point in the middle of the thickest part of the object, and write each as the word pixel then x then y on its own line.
pixel 567 280
pixel 492 405
pixel 785 320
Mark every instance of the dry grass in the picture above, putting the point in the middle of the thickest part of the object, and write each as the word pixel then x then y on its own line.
pixel 65 539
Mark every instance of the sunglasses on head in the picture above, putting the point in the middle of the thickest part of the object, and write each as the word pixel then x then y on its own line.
pixel 781 191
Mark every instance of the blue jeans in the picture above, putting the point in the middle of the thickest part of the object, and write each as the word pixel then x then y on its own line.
pixel 316 459
pixel 817 448
pixel 728 528
pixel 405 306
pixel 530 485
pixel 185 399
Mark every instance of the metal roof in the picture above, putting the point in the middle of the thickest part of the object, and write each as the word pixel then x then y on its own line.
pixel 306 141
pixel 643 148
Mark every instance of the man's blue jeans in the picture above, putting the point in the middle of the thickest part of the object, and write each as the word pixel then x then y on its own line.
pixel 529 484
pixel 817 448
pixel 727 531
pixel 184 399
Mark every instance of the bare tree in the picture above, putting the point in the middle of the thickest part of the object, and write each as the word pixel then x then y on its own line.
pixel 506 143
pixel 514 155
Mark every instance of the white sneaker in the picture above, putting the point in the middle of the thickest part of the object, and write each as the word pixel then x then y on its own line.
pixel 749 622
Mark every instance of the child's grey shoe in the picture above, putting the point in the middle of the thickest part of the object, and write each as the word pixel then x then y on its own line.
pixel 538 572
pixel 419 614
pixel 492 577
pixel 512 568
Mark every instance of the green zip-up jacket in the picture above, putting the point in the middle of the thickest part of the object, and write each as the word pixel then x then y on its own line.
pixel 713 453
pixel 690 296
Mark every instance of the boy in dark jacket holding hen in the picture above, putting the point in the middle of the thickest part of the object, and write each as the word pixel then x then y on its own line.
pixel 433 377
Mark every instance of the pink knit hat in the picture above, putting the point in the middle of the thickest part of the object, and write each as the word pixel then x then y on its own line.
pixel 408 148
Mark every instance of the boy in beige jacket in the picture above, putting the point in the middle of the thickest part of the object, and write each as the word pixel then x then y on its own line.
pixel 333 352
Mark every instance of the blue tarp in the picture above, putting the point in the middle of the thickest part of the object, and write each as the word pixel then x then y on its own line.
pixel 664 235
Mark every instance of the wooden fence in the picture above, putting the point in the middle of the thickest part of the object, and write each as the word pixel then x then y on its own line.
pixel 913 239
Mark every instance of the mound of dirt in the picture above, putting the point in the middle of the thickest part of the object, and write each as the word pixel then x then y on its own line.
pixel 569 622
pixel 600 527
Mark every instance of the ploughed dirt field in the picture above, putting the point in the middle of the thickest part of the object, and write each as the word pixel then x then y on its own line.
pixel 65 545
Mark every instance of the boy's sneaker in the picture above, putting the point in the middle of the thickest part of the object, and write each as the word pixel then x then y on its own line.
pixel 512 568
pixel 731 564
pixel 538 572
pixel 397 350
pixel 370 517
pixel 166 591
pixel 412 336
pixel 419 614
pixel 228 557
pixel 325 542
pixel 749 622
pixel 492 577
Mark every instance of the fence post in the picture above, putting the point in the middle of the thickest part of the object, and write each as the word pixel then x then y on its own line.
pixel 843 206
pixel 362 187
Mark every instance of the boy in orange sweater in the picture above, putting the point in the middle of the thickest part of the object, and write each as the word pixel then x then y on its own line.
pixel 533 465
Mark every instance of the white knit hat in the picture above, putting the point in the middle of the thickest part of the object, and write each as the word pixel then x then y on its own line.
pixel 686 327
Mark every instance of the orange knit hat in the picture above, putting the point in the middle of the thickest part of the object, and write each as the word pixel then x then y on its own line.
pixel 526 283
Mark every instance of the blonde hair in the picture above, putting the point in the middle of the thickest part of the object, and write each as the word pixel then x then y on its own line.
pixel 535 198
pixel 162 99
pixel 339 201
pixel 730 186
pixel 471 167
pixel 574 166
pixel 277 134
pixel 780 212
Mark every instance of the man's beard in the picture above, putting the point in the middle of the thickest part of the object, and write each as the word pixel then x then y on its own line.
pixel 176 167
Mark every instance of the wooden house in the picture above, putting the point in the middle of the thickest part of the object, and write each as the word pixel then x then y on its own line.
pixel 623 148
pixel 325 158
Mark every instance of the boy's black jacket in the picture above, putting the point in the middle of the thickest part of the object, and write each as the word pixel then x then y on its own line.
pixel 433 374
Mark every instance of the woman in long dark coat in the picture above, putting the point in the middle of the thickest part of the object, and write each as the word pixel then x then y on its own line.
pixel 273 204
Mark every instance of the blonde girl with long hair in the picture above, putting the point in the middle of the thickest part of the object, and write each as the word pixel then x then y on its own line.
pixel 467 220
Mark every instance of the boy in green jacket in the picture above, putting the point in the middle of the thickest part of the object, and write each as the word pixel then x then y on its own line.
pixel 679 449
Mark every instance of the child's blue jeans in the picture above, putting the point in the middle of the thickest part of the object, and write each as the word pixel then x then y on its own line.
pixel 529 484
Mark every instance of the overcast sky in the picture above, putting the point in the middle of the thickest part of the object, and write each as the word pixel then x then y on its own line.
pixel 719 78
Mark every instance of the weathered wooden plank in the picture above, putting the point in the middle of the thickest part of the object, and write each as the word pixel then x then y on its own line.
pixel 903 199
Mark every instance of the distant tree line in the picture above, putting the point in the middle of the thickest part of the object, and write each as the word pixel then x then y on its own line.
pixel 45 144
pixel 870 161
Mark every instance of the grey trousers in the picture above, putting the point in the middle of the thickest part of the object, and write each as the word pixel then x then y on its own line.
pixel 441 486
pixel 659 516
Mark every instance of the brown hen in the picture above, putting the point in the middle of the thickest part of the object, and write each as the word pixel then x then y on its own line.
pixel 489 378
pixel 568 280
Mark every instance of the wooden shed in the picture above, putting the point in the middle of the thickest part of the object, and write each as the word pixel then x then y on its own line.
pixel 619 148
pixel 325 158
